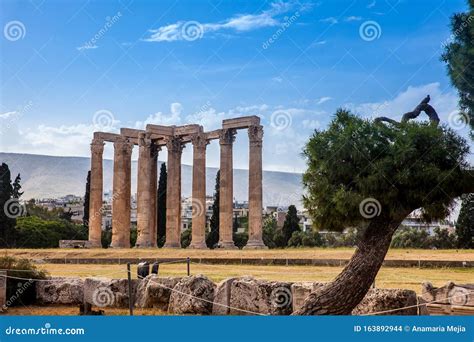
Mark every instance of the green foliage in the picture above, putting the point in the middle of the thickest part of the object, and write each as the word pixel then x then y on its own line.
pixel 16 187
pixel 409 237
pixel 305 239
pixel 349 238
pixel 106 238
pixel 35 232
pixel 240 239
pixel 442 239
pixel 19 291
pixel 269 230
pixel 458 55
pixel 291 224
pixel 414 165
pixel 161 206
pixel 186 238
pixel 133 235
pixel 465 223
pixel 212 238
pixel 7 222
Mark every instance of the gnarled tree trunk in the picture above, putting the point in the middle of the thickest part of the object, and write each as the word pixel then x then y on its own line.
pixel 343 294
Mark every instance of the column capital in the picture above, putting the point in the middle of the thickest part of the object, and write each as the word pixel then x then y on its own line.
pixel 97 146
pixel 123 145
pixel 174 144
pixel 144 140
pixel 227 136
pixel 199 140
pixel 255 134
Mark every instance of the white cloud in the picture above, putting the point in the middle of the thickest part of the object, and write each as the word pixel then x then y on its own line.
pixel 330 20
pixel 323 99
pixel 7 115
pixel 239 23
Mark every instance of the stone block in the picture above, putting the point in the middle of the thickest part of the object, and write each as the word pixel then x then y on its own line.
pixel 192 295
pixel 60 290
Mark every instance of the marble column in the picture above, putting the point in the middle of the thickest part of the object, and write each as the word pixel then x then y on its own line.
pixel 255 188
pixel 198 240
pixel 144 193
pixel 226 193
pixel 155 149
pixel 96 189
pixel 173 193
pixel 121 193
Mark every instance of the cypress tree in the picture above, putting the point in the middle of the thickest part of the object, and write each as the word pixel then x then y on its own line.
pixel 85 218
pixel 7 209
pixel 465 223
pixel 291 223
pixel 213 237
pixel 161 206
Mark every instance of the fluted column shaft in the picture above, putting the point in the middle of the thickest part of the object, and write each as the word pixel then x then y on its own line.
pixel 154 185
pixel 199 192
pixel 145 193
pixel 96 193
pixel 121 194
pixel 173 193
pixel 226 193
pixel 255 187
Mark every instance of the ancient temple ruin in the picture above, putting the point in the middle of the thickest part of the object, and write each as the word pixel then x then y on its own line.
pixel 150 141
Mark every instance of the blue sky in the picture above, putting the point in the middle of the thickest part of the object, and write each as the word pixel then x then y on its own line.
pixel 69 68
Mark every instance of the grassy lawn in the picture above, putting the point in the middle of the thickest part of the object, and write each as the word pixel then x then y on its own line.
pixel 303 253
pixel 407 278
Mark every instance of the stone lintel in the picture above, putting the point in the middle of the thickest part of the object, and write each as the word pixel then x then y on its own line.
pixel 104 136
pixel 242 122
pixel 187 130
pixel 213 135
pixel 160 130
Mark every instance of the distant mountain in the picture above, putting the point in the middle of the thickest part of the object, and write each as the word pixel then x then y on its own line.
pixel 51 177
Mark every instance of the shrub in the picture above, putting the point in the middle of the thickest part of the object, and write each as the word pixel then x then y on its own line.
pixel 21 291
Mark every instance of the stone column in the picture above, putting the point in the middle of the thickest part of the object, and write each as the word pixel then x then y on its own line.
pixel 173 193
pixel 226 193
pixel 96 189
pixel 144 193
pixel 155 149
pixel 198 240
pixel 121 193
pixel 255 188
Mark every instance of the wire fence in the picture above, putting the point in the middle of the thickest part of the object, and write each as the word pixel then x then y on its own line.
pixel 234 309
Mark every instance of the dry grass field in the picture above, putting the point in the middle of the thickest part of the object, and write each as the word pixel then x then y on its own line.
pixel 303 253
